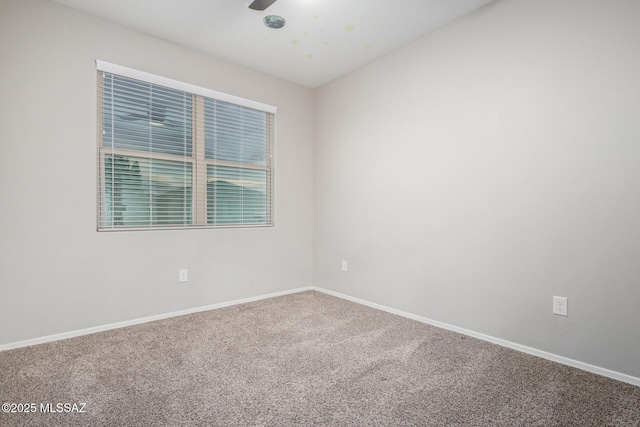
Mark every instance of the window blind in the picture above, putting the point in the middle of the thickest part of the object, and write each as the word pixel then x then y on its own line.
pixel 170 158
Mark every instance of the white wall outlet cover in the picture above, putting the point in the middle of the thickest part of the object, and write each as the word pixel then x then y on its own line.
pixel 560 306
pixel 183 275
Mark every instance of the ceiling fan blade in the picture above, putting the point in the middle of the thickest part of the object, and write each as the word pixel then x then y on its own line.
pixel 261 4
pixel 156 114
pixel 134 116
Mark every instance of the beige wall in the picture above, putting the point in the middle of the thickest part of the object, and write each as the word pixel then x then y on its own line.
pixel 58 273
pixel 467 178
pixel 474 174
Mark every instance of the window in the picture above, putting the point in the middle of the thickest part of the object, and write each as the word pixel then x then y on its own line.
pixel 173 155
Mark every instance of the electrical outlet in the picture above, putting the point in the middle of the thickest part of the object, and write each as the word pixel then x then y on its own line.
pixel 560 306
pixel 344 266
pixel 183 275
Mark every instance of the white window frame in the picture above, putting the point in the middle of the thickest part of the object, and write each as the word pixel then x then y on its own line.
pixel 199 162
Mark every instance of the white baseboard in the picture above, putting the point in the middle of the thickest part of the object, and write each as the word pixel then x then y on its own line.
pixel 543 354
pixel 117 325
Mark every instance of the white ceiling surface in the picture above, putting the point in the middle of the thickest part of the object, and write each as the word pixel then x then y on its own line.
pixel 322 40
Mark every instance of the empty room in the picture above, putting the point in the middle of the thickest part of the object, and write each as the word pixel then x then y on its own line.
pixel 320 212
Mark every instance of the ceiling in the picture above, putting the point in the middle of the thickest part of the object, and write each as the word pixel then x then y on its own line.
pixel 322 39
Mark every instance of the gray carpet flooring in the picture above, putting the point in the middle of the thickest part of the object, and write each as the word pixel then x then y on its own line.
pixel 306 359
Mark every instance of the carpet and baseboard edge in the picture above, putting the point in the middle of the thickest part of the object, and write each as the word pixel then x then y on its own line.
pixel 504 343
pixel 93 330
